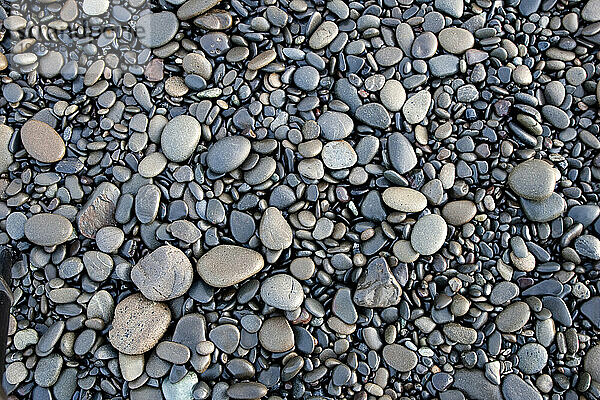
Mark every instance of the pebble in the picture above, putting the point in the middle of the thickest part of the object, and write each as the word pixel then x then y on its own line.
pixel 98 211
pixel 6 157
pixel 401 153
pixel 179 138
pixel 335 125
pixel 532 179
pixel 399 357
pixel 392 95
pixel 544 210
pixel 247 390
pixel 588 246
pixel 532 358
pixel 338 154
pixel 276 335
pixel 429 234
pixel 228 154
pixel 226 265
pixel 514 388
pixel 138 324
pixel 459 212
pixel 404 199
pixel 226 337
pixel 416 107
pixel 513 317
pixel 47 229
pixel 164 274
pixel 323 35
pixel 42 142
pixel 377 286
pixel 194 8
pixel 306 78
pixel 274 231
pixel 95 7
pixel 373 114
pixel 282 291
pixel 456 40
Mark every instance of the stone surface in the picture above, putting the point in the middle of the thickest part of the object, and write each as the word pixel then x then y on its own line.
pixel 377 287
pixel 226 265
pixel 47 229
pixel 428 234
pixel 42 142
pixel 180 137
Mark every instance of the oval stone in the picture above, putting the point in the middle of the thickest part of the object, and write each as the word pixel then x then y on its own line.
pixel 180 137
pixel 138 324
pixel 42 142
pixel 48 229
pixel 338 154
pixel 400 357
pixel 404 199
pixel 226 265
pixel 164 274
pixel 459 212
pixel 156 29
pixel 227 154
pixel 428 234
pixel 282 291
pixel 533 179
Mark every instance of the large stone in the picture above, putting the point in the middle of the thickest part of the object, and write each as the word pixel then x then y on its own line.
pixel 42 142
pixel 180 137
pixel 47 229
pixel 275 232
pixel 532 179
pixel 377 287
pixel 164 274
pixel 99 210
pixel 226 265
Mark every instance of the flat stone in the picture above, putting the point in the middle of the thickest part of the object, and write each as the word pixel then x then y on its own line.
pixel 132 367
pixel 198 64
pixel 588 246
pixel 338 154
pixel 591 11
pixel 335 125
pixel 282 291
pixel 147 202
pixel 262 60
pixel 532 179
pixel 428 234
pixel 6 157
pixel 276 335
pixel 182 389
pixel 274 231
pixel 156 29
pixel 47 370
pixel 399 357
pixel 475 385
pixel 443 65
pixel 515 388
pixel 42 142
pixel 503 292
pixel 99 210
pixel 556 116
pixel 109 239
pixel 453 8
pixel 456 40
pixel 138 324
pixel 373 114
pixel 532 358
pixel 460 334
pixel 180 137
pixel 392 95
pixel 459 212
pixel 226 337
pixel 227 154
pixel 247 390
pixel 377 286
pixel 404 199
pixel 416 107
pixel 226 265
pixel 401 153
pixel 591 362
pixel 323 35
pixel 513 317
pixel 559 310
pixel 425 45
pixel 95 7
pixel 544 210
pixel 164 274
pixel 47 229
pixel 388 56
pixel 194 8
pixel 591 309
pixel 306 78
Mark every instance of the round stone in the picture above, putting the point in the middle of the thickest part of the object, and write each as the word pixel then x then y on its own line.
pixel 588 246
pixel 400 357
pixel 425 45
pixel 282 291
pixel 404 199
pixel 156 29
pixel 42 142
pixel 50 64
pixel 198 64
pixel 428 234
pixel 401 153
pixel 456 40
pixel 306 78
pixel 226 337
pixel 392 95
pixel 335 125
pixel 591 362
pixel 109 239
pixel 138 324
pixel 373 114
pixel 164 274
pixel 522 75
pixel 532 358
pixel 227 154
pixel 513 317
pixel 6 157
pixel 323 35
pixel 48 229
pixel 533 179
pixel 180 137
pixel 459 212
pixel 226 265
pixel 404 252
pixel 338 154
pixel 276 335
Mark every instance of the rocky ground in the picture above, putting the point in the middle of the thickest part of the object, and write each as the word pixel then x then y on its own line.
pixel 305 199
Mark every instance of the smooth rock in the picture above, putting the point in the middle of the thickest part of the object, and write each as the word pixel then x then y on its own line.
pixel 338 154
pixel 275 232
pixel 227 154
pixel 99 210
pixel 428 234
pixel 399 357
pixel 335 125
pixel 544 210
pixel 392 95
pixel 459 212
pixel 226 265
pixel 416 107
pixel 47 229
pixel 532 179
pixel 401 153
pixel 276 335
pixel 180 137
pixel 282 291
pixel 377 286
pixel 588 246
pixel 42 142
pixel 404 199
pixel 513 317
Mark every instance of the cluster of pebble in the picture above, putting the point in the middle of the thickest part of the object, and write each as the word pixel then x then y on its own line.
pixel 303 199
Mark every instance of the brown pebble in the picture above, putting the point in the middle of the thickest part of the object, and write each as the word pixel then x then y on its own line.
pixel 42 142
